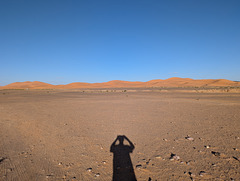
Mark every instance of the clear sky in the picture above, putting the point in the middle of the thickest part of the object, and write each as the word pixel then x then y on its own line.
pixel 64 41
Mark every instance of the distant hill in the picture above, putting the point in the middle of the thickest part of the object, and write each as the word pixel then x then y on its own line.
pixel 171 82
pixel 28 84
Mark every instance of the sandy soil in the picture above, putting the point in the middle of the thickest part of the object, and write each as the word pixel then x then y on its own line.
pixel 67 135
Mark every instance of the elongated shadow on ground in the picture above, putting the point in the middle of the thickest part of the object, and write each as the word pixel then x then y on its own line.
pixel 122 164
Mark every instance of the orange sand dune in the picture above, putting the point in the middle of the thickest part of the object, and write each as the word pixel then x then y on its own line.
pixel 28 84
pixel 171 82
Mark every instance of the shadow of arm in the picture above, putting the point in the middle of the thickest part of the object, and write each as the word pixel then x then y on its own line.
pixel 113 145
pixel 131 144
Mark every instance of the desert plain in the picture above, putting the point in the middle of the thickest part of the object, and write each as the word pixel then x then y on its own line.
pixel 177 133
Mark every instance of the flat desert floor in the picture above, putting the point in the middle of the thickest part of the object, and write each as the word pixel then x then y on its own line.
pixel 67 135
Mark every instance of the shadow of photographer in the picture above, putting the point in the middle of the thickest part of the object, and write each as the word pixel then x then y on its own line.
pixel 122 164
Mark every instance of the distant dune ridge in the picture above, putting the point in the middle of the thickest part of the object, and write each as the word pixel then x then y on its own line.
pixel 171 82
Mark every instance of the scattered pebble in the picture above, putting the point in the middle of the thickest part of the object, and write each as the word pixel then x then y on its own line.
pixel 2 159
pixel 89 169
pixel 207 146
pixel 97 174
pixel 9 169
pixel 174 157
pixel 235 149
pixel 189 138
pixel 191 174
pixel 67 165
pixel 236 158
pixel 104 162
pixel 158 156
pixel 148 161
pixel 60 163
pixel 164 139
pixel 47 176
pixel 215 153
pixel 139 166
pixel 202 173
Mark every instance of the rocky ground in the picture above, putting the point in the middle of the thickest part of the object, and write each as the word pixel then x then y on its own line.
pixel 66 135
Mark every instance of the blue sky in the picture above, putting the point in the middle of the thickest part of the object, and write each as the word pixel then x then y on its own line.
pixel 60 41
